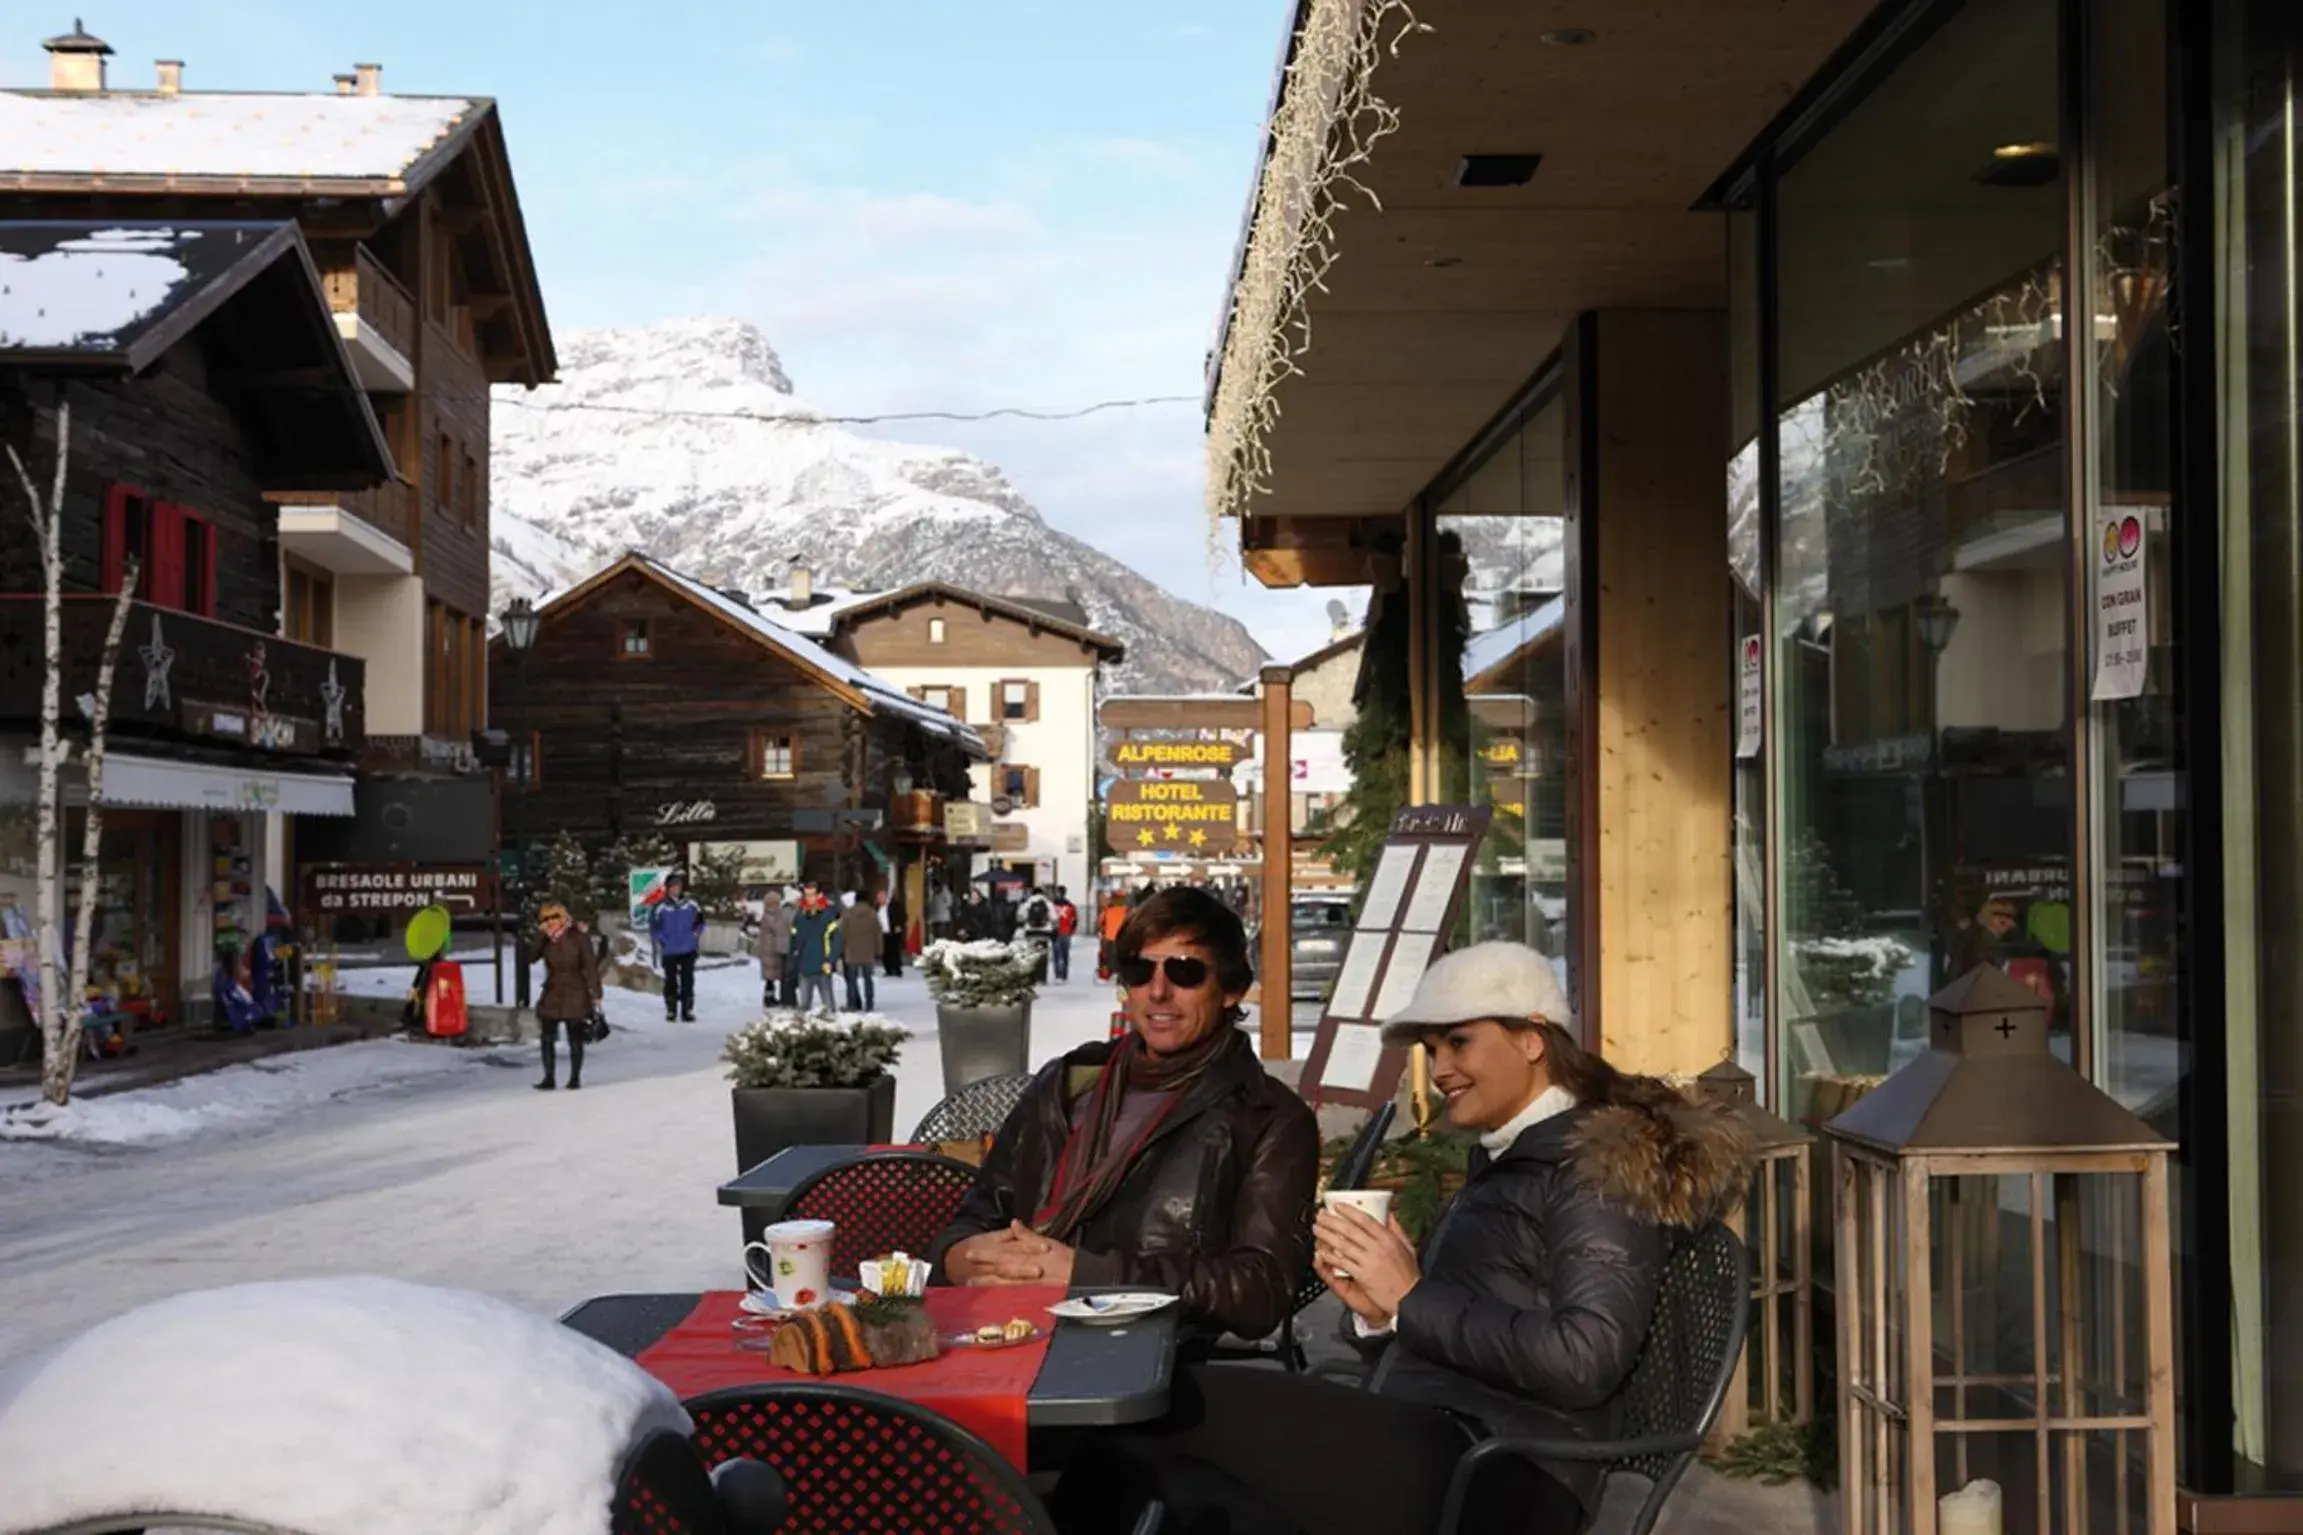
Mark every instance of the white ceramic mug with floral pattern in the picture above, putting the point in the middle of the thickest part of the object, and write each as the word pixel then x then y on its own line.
pixel 792 1262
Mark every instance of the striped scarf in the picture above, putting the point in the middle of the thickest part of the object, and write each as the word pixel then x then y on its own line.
pixel 1091 1170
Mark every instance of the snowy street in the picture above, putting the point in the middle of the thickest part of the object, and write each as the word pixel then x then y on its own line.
pixel 428 1164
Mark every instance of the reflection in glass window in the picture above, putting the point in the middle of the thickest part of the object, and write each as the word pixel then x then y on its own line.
pixel 1507 516
pixel 1921 645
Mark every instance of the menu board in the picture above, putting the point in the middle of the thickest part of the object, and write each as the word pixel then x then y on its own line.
pixel 1406 920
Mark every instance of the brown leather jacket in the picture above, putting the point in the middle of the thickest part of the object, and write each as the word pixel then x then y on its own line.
pixel 1217 1209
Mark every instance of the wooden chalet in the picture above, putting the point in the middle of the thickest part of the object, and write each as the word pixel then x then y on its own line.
pixel 407 207
pixel 654 702
pixel 203 372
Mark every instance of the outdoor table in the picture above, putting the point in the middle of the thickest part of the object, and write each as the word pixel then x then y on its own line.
pixel 1092 1377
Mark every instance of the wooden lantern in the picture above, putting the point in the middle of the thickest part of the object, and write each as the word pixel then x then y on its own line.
pixel 1777 1378
pixel 2004 1289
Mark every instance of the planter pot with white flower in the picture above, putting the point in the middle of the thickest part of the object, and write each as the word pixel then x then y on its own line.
pixel 983 993
pixel 807 1080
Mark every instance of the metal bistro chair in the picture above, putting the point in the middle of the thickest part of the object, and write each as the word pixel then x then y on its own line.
pixel 854 1462
pixel 1351 1171
pixel 980 1108
pixel 663 1489
pixel 1685 1365
pixel 887 1201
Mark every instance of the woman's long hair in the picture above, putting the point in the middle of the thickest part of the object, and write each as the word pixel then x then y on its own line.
pixel 1594 1083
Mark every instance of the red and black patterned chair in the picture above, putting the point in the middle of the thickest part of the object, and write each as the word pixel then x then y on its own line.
pixel 854 1462
pixel 889 1201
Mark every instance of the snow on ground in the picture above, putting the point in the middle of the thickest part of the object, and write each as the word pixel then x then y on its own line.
pixel 459 1176
pixel 224 1402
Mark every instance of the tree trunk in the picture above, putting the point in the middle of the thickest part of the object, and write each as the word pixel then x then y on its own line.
pixel 56 1078
pixel 48 527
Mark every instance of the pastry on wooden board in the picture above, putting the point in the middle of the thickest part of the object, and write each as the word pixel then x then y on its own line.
pixel 873 1334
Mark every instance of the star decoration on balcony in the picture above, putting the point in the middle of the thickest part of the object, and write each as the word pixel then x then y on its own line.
pixel 332 694
pixel 158 658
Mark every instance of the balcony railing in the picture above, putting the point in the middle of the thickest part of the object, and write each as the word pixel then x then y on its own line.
pixel 389 509
pixel 189 676
pixel 366 289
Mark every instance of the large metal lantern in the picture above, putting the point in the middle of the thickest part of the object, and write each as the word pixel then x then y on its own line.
pixel 2006 1330
pixel 1777 1379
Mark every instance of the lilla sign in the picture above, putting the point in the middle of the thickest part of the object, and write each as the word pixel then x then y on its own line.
pixel 687 812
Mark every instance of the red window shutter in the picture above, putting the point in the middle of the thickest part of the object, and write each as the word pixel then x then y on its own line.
pixel 164 583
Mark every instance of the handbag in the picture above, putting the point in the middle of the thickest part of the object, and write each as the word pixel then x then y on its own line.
pixel 595 1027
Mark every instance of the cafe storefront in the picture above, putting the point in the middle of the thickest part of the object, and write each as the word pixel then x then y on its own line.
pixel 1889 539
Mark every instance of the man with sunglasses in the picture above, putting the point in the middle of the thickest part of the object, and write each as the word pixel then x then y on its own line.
pixel 1166 1159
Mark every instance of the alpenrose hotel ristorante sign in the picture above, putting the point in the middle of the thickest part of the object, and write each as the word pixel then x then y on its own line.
pixel 1181 815
pixel 1167 756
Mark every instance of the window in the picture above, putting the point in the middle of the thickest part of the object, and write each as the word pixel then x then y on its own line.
pixel 632 641
pixel 1019 702
pixel 444 472
pixel 527 766
pixel 953 701
pixel 174 549
pixel 309 610
pixel 775 757
pixel 469 485
pixel 455 682
pixel 935 631
pixel 1021 785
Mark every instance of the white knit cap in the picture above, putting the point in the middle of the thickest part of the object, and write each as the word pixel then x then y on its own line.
pixel 1506 981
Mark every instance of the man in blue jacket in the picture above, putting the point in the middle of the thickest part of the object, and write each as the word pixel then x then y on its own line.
pixel 816 948
pixel 677 924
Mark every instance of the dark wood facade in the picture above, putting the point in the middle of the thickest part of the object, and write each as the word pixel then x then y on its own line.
pixel 647 711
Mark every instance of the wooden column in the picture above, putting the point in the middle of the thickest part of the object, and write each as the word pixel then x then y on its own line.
pixel 1275 967
pixel 1651 687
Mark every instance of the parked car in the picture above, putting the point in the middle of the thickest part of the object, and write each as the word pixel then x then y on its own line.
pixel 1318 932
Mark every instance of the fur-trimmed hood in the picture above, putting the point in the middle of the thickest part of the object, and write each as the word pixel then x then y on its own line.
pixel 1671 1158
pixel 1666 1157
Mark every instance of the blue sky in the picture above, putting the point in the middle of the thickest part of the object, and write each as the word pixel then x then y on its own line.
pixel 923 203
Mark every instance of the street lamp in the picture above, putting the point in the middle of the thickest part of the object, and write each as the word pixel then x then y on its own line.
pixel 1938 619
pixel 520 635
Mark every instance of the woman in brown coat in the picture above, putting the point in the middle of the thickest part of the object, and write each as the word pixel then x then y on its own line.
pixel 571 991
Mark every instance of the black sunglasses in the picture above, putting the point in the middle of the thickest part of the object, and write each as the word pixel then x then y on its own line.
pixel 1183 972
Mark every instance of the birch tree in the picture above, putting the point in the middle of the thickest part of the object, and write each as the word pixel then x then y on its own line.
pixel 62 1006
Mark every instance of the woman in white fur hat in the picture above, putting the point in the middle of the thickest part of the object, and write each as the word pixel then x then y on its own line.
pixel 1521 1315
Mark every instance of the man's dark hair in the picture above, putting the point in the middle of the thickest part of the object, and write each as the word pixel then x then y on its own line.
pixel 1198 917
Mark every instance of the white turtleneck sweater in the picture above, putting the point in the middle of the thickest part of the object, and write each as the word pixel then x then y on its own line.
pixel 1544 1105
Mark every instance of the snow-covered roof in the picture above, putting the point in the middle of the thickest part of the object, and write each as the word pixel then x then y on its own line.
pixel 1486 651
pixel 223 135
pixel 819 618
pixel 1034 611
pixel 882 697
pixel 99 288
pixel 355 1406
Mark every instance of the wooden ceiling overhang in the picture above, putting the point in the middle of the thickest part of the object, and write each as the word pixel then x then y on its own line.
pixel 1445 300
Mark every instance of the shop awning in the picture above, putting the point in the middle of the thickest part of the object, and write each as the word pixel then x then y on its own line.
pixel 156 784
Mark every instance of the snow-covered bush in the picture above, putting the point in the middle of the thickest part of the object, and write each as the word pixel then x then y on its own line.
pixel 986 973
pixel 1853 972
pixel 789 1048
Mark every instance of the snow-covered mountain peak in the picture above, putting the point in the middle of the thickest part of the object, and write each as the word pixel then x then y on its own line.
pixel 684 439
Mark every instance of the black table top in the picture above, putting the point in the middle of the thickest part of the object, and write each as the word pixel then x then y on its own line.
pixel 769 1184
pixel 1092 1377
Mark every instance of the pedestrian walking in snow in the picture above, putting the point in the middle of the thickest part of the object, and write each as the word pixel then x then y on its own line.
pixel 940 911
pixel 815 948
pixel 571 991
pixel 677 924
pixel 1037 920
pixel 860 939
pixel 1067 928
pixel 774 947
pixel 892 932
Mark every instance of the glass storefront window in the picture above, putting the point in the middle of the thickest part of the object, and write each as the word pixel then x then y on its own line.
pixel 1921 629
pixel 1746 582
pixel 2259 127
pixel 1507 517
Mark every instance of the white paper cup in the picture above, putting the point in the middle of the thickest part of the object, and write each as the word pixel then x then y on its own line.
pixel 793 1260
pixel 1375 1204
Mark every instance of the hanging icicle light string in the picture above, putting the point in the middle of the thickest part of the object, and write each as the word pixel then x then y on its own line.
pixel 1326 125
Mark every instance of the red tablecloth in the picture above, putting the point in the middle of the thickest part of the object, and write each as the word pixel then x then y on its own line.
pixel 985 1389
